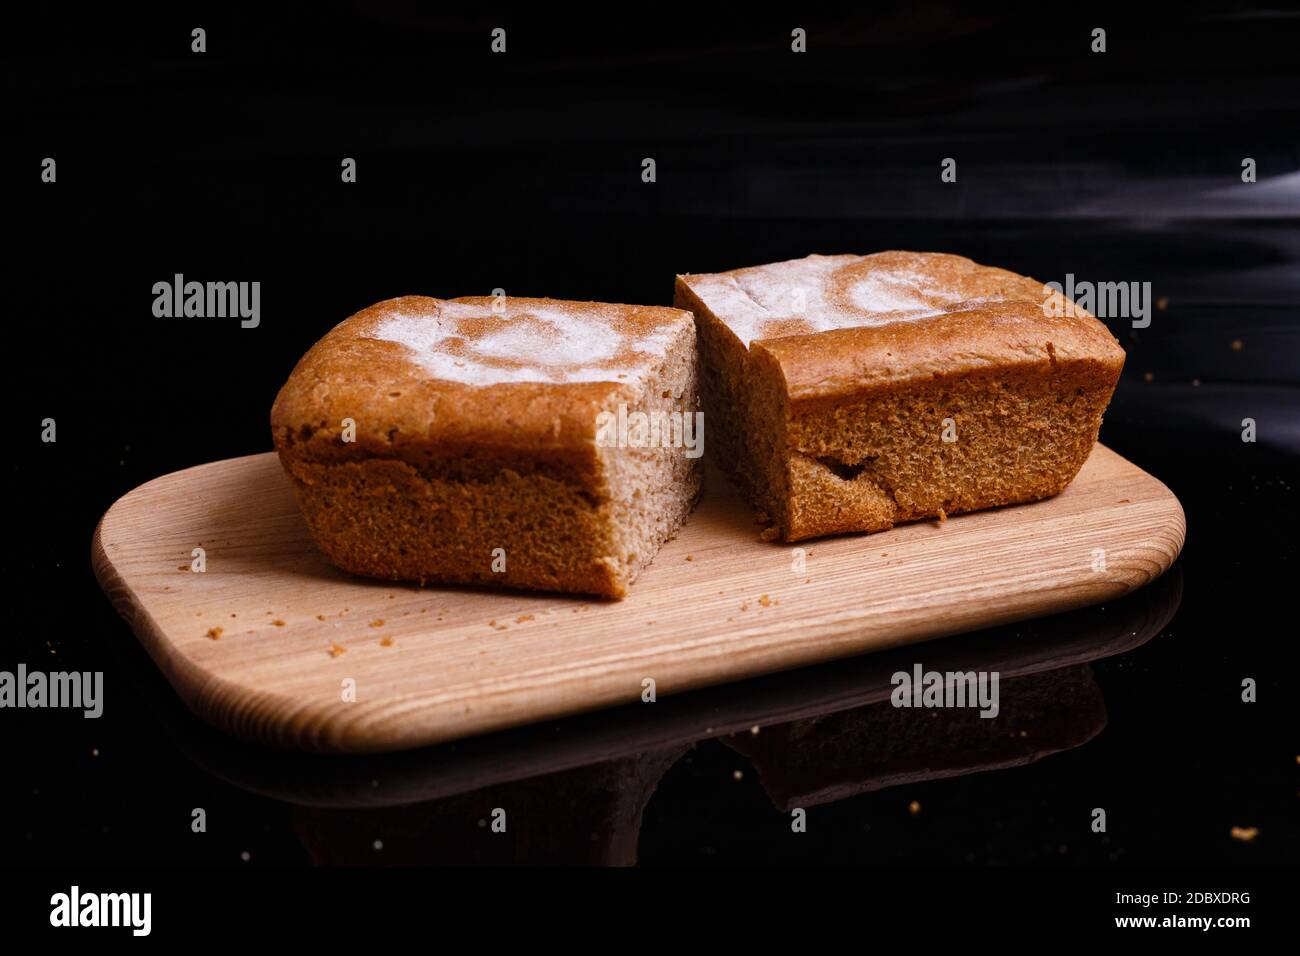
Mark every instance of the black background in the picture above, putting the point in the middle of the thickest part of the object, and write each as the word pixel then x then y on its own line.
pixel 522 171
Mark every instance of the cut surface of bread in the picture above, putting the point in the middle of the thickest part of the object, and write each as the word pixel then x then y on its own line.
pixel 850 393
pixel 475 440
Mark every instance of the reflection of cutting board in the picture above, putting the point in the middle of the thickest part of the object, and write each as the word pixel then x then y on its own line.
pixel 716 605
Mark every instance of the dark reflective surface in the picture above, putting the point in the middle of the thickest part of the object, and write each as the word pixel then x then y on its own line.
pixel 476 174
pixel 671 723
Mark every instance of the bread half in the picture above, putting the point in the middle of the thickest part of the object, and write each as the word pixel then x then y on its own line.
pixel 851 393
pixel 477 440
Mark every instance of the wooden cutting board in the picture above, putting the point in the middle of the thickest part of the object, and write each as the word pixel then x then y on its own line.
pixel 273 644
pixel 1023 649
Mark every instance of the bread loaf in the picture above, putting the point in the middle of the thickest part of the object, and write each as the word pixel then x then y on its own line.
pixel 850 393
pixel 466 441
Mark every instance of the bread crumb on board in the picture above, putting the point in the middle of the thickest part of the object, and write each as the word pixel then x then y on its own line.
pixel 278 623
pixel 386 641
pixel 769 534
pixel 523 617
pixel 215 632
pixel 337 650
pixel 377 622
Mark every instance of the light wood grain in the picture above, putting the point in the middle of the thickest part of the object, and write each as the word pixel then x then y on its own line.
pixel 465 661
pixel 554 746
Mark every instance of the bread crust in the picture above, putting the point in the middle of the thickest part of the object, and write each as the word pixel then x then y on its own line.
pixel 401 411
pixel 831 416
pixel 440 473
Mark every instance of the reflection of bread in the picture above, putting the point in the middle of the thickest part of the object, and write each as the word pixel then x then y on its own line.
pixel 588 815
pixel 849 393
pixel 476 430
pixel 823 759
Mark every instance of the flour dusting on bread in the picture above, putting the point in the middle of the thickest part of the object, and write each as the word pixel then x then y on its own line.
pixel 853 393
pixel 823 293
pixel 526 340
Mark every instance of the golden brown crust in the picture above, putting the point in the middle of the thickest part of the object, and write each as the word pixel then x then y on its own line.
pixel 456 470
pixel 849 393
pixel 401 410
pixel 971 317
pixel 384 518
